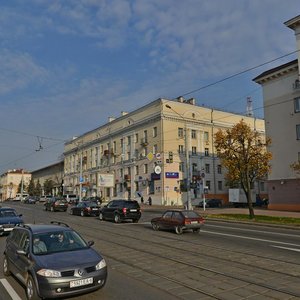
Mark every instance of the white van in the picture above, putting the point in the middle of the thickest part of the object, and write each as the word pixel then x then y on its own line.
pixel 71 198
pixel 19 197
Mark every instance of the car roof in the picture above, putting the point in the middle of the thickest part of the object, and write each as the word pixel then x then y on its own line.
pixel 42 228
pixel 7 208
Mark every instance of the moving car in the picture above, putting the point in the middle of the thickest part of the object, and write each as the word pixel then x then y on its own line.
pixel 178 220
pixel 120 210
pixel 53 261
pixel 31 200
pixel 85 208
pixel 211 203
pixel 56 204
pixel 8 219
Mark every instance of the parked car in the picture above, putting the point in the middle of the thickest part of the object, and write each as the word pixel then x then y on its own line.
pixel 31 199
pixel 178 220
pixel 211 203
pixel 95 199
pixel 120 210
pixel 71 198
pixel 45 198
pixel 56 204
pixel 9 218
pixel 53 261
pixel 85 208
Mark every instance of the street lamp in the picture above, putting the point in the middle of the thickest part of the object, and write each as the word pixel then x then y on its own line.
pixel 187 160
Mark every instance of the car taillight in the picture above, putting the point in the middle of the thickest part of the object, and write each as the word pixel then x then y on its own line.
pixel 56 203
pixel 124 210
pixel 186 222
pixel 88 208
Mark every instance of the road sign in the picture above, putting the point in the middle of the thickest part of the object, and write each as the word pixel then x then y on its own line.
pixel 157 170
pixel 150 156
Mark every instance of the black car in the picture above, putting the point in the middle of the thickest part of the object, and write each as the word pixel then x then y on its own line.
pixel 211 203
pixel 85 208
pixel 120 210
pixel 53 261
pixel 8 219
pixel 95 199
pixel 31 199
pixel 56 204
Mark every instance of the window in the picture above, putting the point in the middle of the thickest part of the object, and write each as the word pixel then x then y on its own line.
pixel 194 167
pixel 298 131
pixel 207 168
pixel 262 185
pixel 136 137
pixel 154 131
pixel 220 185
pixel 219 169
pixel 145 135
pixel 207 183
pixel 181 166
pixel 129 140
pixel 205 136
pixel 297 104
pixel 137 171
pixel 193 134
pixel 180 132
pixel 154 149
pixel 180 149
pixel 194 150
pixel 206 152
pixel 145 168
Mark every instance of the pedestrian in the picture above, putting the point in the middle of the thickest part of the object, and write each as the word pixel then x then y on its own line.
pixel 142 199
pixel 150 200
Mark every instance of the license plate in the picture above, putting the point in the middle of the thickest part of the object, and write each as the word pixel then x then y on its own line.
pixel 95 209
pixel 133 210
pixel 194 222
pixel 81 282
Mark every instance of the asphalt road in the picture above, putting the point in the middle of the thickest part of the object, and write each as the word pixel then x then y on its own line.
pixel 225 261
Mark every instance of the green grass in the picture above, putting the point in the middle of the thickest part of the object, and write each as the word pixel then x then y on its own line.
pixel 257 219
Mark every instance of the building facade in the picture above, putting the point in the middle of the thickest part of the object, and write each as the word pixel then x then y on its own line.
pixel 53 173
pixel 10 182
pixel 281 93
pixel 157 151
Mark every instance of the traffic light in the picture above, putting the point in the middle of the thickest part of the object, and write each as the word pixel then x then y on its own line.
pixel 170 156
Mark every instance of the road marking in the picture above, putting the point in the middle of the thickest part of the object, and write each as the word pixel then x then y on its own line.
pixel 10 289
pixel 286 248
pixel 250 238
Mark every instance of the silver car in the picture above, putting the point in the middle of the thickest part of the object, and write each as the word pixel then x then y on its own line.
pixel 53 261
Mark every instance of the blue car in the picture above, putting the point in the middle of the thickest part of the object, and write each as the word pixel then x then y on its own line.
pixel 8 220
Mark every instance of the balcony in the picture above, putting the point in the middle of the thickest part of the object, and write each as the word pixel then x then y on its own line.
pixel 127 177
pixel 144 142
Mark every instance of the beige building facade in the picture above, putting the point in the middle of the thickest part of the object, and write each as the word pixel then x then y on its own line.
pixel 10 182
pixel 154 151
pixel 281 93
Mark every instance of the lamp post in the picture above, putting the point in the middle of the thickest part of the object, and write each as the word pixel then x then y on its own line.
pixel 187 160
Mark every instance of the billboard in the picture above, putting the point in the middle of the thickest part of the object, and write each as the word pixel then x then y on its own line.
pixel 106 180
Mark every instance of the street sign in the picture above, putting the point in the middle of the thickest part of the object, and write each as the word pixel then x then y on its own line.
pixel 157 170
pixel 150 156
pixel 157 155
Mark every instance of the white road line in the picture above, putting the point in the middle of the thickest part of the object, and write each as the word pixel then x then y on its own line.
pixel 10 290
pixel 286 248
pixel 250 238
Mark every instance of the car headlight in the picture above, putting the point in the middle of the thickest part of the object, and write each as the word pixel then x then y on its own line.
pixel 49 273
pixel 101 264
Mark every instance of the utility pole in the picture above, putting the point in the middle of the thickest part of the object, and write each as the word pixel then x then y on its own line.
pixel 80 179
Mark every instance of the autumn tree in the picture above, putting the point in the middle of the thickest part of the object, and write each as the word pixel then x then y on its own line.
pixel 296 167
pixel 31 187
pixel 245 156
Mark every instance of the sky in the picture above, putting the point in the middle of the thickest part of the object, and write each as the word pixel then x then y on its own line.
pixel 66 66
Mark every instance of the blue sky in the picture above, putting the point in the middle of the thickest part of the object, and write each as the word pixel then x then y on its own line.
pixel 66 66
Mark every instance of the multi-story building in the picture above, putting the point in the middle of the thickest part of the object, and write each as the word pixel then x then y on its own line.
pixel 10 182
pixel 153 151
pixel 53 173
pixel 281 93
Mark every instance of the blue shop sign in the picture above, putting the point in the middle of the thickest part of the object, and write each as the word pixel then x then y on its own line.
pixel 172 175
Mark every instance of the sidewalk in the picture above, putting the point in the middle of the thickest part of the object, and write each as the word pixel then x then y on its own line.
pixel 228 210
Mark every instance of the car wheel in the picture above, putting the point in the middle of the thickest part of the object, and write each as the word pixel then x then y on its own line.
pixel 6 270
pixel 178 230
pixel 31 291
pixel 196 230
pixel 155 226
pixel 117 218
pixel 82 213
pixel 101 217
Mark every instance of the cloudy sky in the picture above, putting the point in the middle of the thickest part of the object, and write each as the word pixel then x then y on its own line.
pixel 66 66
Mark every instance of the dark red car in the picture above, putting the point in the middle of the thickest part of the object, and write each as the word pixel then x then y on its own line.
pixel 178 220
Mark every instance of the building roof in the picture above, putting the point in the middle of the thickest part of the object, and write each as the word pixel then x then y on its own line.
pixel 276 71
pixel 292 23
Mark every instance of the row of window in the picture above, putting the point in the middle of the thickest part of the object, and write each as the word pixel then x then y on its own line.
pixel 193 134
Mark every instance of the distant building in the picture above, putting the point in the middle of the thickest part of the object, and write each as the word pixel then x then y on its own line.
pixel 55 173
pixel 10 182
pixel 281 93
pixel 158 150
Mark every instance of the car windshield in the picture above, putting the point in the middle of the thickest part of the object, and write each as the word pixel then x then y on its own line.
pixel 58 241
pixel 7 213
pixel 190 214
pixel 132 204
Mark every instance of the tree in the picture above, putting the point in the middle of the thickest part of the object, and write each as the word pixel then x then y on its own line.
pixel 245 157
pixel 38 189
pixel 31 187
pixel 48 186
pixel 296 167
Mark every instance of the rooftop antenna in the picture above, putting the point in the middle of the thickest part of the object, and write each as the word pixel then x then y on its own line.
pixel 249 112
pixel 40 139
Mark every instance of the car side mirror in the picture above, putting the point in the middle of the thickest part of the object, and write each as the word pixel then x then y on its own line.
pixel 91 243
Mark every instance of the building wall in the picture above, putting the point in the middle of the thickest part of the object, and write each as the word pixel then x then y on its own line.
pixel 134 161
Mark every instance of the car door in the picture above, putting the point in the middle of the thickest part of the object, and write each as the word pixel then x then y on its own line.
pixel 109 210
pixel 166 220
pixel 78 208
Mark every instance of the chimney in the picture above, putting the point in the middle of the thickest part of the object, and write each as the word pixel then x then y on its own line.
pixel 110 119
pixel 124 113
pixel 180 99
pixel 191 101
